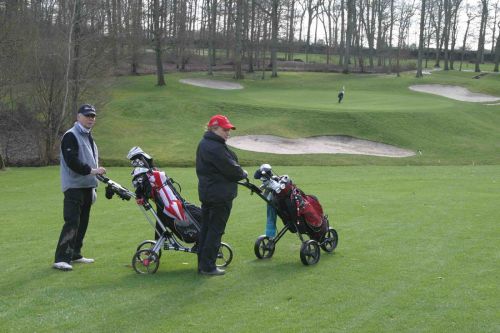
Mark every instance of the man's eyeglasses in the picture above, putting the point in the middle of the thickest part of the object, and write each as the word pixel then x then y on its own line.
pixel 90 115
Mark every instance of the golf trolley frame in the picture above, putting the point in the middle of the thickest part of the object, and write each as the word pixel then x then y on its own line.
pixel 146 259
pixel 310 249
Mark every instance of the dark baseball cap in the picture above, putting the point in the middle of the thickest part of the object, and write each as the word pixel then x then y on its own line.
pixel 87 109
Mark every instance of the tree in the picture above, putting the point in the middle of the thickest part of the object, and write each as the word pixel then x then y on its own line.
pixel 446 32
pixel 406 12
pixel 497 51
pixel 291 28
pixel 212 28
pixel 238 73
pixel 470 17
pixel 482 33
pixel 349 34
pixel 421 39
pixel 135 34
pixel 160 77
pixel 369 21
pixel 312 11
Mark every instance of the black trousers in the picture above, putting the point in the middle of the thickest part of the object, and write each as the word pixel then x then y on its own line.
pixel 214 219
pixel 76 211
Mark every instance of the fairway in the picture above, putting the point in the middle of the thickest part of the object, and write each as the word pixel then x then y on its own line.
pixel 418 252
pixel 418 235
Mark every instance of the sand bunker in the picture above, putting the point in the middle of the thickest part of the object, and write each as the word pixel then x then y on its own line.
pixel 454 92
pixel 206 83
pixel 337 144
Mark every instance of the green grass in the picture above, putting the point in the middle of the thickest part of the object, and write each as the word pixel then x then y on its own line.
pixel 419 238
pixel 418 252
pixel 168 121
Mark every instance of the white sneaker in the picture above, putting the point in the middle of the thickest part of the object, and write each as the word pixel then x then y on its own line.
pixel 63 266
pixel 83 260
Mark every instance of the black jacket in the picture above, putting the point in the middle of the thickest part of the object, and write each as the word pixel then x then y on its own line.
pixel 217 169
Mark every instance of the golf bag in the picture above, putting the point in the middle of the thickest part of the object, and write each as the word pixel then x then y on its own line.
pixel 175 220
pixel 301 214
pixel 178 215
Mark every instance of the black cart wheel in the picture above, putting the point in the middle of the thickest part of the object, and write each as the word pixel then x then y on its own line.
pixel 147 244
pixel 330 241
pixel 225 255
pixel 264 247
pixel 145 261
pixel 309 252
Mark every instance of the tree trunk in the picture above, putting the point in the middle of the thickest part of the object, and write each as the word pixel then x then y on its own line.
pixel 181 36
pixel 497 51
pixel 252 39
pixel 437 28
pixel 136 9
pixel 75 77
pixel 482 33
pixel 274 37
pixel 421 39
pixel 160 78
pixel 349 34
pixel 291 30
pixel 238 74
pixel 446 33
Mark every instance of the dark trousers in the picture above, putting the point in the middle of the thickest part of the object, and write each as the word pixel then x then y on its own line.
pixel 214 219
pixel 76 211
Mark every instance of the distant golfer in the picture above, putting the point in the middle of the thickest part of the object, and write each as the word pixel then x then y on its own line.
pixel 341 94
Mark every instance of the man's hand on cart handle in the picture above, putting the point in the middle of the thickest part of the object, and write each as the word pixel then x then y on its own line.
pixel 98 171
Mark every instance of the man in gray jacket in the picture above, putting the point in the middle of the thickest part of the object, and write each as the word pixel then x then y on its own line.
pixel 79 166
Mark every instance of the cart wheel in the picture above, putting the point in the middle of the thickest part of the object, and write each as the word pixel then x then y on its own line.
pixel 309 252
pixel 330 241
pixel 264 247
pixel 148 244
pixel 225 255
pixel 145 261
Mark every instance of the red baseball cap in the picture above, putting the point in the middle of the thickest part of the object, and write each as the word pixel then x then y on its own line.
pixel 221 121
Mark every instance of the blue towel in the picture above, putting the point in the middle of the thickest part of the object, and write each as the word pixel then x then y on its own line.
pixel 271 221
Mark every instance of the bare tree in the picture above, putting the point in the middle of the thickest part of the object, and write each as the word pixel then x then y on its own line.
pixel 482 33
pixel 160 76
pixel 369 21
pixel 421 40
pixel 470 17
pixel 238 73
pixel 495 8
pixel 406 12
pixel 497 51
pixel 312 11
pixel 351 8
pixel 291 28
pixel 135 34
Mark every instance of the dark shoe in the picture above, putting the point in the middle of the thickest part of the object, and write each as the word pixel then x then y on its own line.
pixel 215 272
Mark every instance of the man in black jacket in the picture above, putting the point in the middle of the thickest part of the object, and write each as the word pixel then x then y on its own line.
pixel 218 171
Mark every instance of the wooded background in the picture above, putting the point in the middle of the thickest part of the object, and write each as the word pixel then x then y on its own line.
pixel 54 54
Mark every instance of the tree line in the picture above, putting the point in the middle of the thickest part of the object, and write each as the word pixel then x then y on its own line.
pixel 54 54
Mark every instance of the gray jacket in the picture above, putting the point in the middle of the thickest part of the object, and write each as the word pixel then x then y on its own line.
pixel 86 156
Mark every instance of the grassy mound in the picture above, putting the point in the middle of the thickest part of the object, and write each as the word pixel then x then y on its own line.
pixel 168 121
